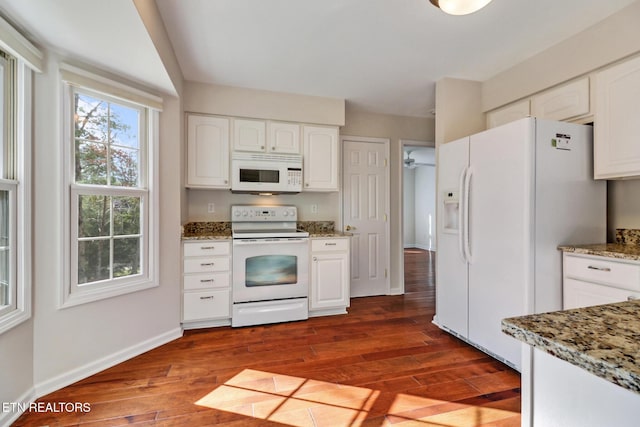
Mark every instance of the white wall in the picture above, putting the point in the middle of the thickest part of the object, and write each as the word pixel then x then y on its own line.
pixel 409 207
pixel 327 204
pixel 420 207
pixel 262 104
pixel 425 207
pixel 73 342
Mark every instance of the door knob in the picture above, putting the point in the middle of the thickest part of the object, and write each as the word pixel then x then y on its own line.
pixel 349 228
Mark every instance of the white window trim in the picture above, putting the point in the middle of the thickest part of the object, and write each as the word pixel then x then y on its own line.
pixel 71 295
pixel 22 297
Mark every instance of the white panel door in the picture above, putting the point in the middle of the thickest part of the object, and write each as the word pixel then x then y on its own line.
pixel 207 152
pixel 500 213
pixel 365 193
pixel 451 268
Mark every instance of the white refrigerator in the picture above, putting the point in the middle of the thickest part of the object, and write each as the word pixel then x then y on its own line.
pixel 507 197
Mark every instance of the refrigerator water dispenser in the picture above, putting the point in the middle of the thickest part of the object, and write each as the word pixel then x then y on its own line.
pixel 451 212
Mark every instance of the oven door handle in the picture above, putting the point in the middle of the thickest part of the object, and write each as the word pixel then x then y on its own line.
pixel 269 241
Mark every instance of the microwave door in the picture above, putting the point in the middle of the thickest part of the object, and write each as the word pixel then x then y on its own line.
pixel 256 175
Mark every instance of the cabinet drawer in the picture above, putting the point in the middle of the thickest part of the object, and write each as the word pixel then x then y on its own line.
pixel 208 247
pixel 206 265
pixel 203 281
pixel 601 270
pixel 205 305
pixel 325 245
pixel 578 294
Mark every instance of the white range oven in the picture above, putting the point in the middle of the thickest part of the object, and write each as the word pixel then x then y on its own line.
pixel 270 266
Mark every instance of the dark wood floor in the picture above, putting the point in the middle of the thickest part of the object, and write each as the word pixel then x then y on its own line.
pixel 383 364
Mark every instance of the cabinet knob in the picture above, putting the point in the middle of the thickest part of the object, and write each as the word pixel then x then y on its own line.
pixel 262 147
pixel 315 258
pixel 307 184
pixel 273 148
pixel 226 182
pixel 349 228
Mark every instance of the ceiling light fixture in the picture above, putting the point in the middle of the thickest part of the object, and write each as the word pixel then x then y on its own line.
pixel 460 7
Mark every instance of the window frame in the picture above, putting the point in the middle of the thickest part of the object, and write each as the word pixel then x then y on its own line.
pixel 19 188
pixel 73 293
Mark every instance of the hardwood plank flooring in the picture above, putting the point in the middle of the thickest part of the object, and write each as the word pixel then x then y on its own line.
pixel 383 364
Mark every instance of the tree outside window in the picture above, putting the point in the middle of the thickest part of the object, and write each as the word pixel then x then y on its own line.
pixel 109 188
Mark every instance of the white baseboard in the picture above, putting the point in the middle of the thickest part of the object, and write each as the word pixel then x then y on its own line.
pixel 7 418
pixel 94 367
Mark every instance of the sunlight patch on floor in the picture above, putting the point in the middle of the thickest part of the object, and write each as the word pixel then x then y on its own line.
pixel 302 402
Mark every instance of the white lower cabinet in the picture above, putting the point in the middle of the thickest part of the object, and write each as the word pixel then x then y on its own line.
pixel 329 293
pixel 594 280
pixel 206 283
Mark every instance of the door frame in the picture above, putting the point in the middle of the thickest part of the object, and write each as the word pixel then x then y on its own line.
pixel 386 142
pixel 411 143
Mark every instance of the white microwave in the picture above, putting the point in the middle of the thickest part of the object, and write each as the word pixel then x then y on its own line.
pixel 266 173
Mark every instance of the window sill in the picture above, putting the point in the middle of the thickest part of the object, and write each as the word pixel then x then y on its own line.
pixel 92 295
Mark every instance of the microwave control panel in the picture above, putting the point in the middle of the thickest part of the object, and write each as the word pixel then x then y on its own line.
pixel 294 177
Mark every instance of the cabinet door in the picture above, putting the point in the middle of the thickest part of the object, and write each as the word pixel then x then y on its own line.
pixel 207 152
pixel 510 113
pixel 329 280
pixel 249 135
pixel 564 102
pixel 616 124
pixel 283 138
pixel 320 158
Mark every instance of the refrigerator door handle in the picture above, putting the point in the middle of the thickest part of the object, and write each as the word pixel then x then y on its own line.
pixel 465 230
pixel 461 218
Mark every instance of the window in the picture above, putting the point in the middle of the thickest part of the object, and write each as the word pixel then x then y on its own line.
pixel 111 214
pixel 15 216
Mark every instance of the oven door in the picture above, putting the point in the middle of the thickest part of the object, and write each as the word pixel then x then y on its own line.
pixel 270 269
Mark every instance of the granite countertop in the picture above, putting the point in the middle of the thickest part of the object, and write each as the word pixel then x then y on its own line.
pixel 202 230
pixel 609 250
pixel 330 234
pixel 602 339
pixel 626 247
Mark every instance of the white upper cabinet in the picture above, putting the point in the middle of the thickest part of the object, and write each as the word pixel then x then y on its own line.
pixel 270 137
pixel 562 103
pixel 517 110
pixel 249 135
pixel 616 121
pixel 207 152
pixel 320 152
pixel 283 138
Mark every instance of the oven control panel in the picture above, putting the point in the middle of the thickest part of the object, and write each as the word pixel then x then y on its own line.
pixel 263 213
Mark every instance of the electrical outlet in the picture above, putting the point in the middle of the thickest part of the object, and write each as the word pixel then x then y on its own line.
pixel 211 207
pixel 314 208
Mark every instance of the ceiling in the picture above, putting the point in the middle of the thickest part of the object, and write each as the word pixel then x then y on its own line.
pixel 380 55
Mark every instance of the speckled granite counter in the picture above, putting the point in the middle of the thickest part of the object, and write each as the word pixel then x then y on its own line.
pixel 627 246
pixel 206 230
pixel 222 230
pixel 604 340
